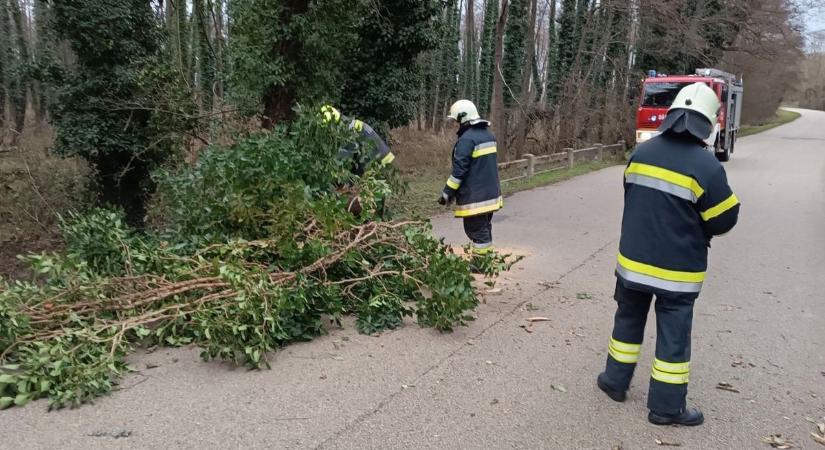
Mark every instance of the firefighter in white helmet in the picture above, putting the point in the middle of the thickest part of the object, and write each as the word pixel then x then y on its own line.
pixel 677 198
pixel 474 183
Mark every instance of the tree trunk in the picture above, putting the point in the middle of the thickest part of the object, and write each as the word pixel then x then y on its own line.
pixel 43 58
pixel 219 49
pixel 497 102
pixel 523 122
pixel 5 58
pixel 552 54
pixel 279 100
pixel 173 33
pixel 470 53
pixel 530 55
pixel 486 66
pixel 19 91
pixel 438 65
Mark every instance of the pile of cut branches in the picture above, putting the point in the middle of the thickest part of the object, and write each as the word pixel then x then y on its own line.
pixel 254 249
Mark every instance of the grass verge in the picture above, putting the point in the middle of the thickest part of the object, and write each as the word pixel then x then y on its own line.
pixel 782 117
pixel 424 188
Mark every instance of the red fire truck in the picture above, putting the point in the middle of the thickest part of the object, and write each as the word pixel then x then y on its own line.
pixel 660 90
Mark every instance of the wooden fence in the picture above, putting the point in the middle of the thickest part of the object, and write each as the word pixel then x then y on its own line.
pixel 530 165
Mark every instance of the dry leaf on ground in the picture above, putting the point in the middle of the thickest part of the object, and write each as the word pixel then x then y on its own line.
pixel 777 441
pixel 528 328
pixel 819 434
pixel 668 443
pixel 723 386
pixel 558 387
pixel 538 319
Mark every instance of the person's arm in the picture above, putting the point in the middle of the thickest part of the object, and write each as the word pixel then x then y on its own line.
pixel 718 206
pixel 462 154
pixel 381 151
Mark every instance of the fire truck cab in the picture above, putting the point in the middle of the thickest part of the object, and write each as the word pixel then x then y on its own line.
pixel 659 91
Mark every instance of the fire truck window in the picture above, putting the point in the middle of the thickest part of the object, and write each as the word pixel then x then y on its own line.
pixel 661 94
pixel 725 94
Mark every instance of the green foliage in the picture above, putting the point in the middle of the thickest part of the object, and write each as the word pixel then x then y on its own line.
pixel 100 239
pixel 262 186
pixel 553 63
pixel 106 109
pixel 393 33
pixel 256 251
pixel 275 46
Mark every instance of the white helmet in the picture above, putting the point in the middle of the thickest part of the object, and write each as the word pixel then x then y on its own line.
pixel 700 98
pixel 464 111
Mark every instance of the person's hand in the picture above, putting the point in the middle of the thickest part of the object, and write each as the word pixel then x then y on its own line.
pixel 445 199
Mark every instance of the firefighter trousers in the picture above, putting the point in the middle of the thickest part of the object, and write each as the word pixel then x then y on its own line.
pixel 480 231
pixel 670 372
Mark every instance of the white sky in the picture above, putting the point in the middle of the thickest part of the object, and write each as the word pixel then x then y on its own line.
pixel 815 20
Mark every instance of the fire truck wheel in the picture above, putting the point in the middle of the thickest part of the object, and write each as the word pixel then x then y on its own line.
pixel 722 155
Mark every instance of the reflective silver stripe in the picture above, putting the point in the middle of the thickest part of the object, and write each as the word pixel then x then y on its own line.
pixel 662 185
pixel 672 286
pixel 356 125
pixel 469 206
pixel 484 245
pixel 455 180
pixel 485 145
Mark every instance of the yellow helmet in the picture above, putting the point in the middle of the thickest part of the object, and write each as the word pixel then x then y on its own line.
pixel 700 98
pixel 330 114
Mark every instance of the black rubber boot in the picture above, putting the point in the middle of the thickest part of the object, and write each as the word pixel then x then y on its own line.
pixel 616 396
pixel 689 418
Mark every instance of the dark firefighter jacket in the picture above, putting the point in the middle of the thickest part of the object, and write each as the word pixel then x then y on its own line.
pixel 378 151
pixel 474 180
pixel 677 198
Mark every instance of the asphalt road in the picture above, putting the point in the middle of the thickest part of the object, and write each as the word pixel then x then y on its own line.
pixel 759 326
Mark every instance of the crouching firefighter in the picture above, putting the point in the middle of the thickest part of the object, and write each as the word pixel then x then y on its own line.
pixel 474 184
pixel 361 158
pixel 379 150
pixel 676 199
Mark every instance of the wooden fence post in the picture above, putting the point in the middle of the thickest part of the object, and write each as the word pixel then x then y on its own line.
pixel 622 148
pixel 570 157
pixel 600 154
pixel 531 165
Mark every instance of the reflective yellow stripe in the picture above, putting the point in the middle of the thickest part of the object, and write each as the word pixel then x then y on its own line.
pixel 670 378
pixel 388 159
pixel 666 175
pixel 483 151
pixel 623 357
pixel 483 250
pixel 720 209
pixel 624 347
pixel 453 183
pixel 330 114
pixel 474 209
pixel 664 274
pixel 675 368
